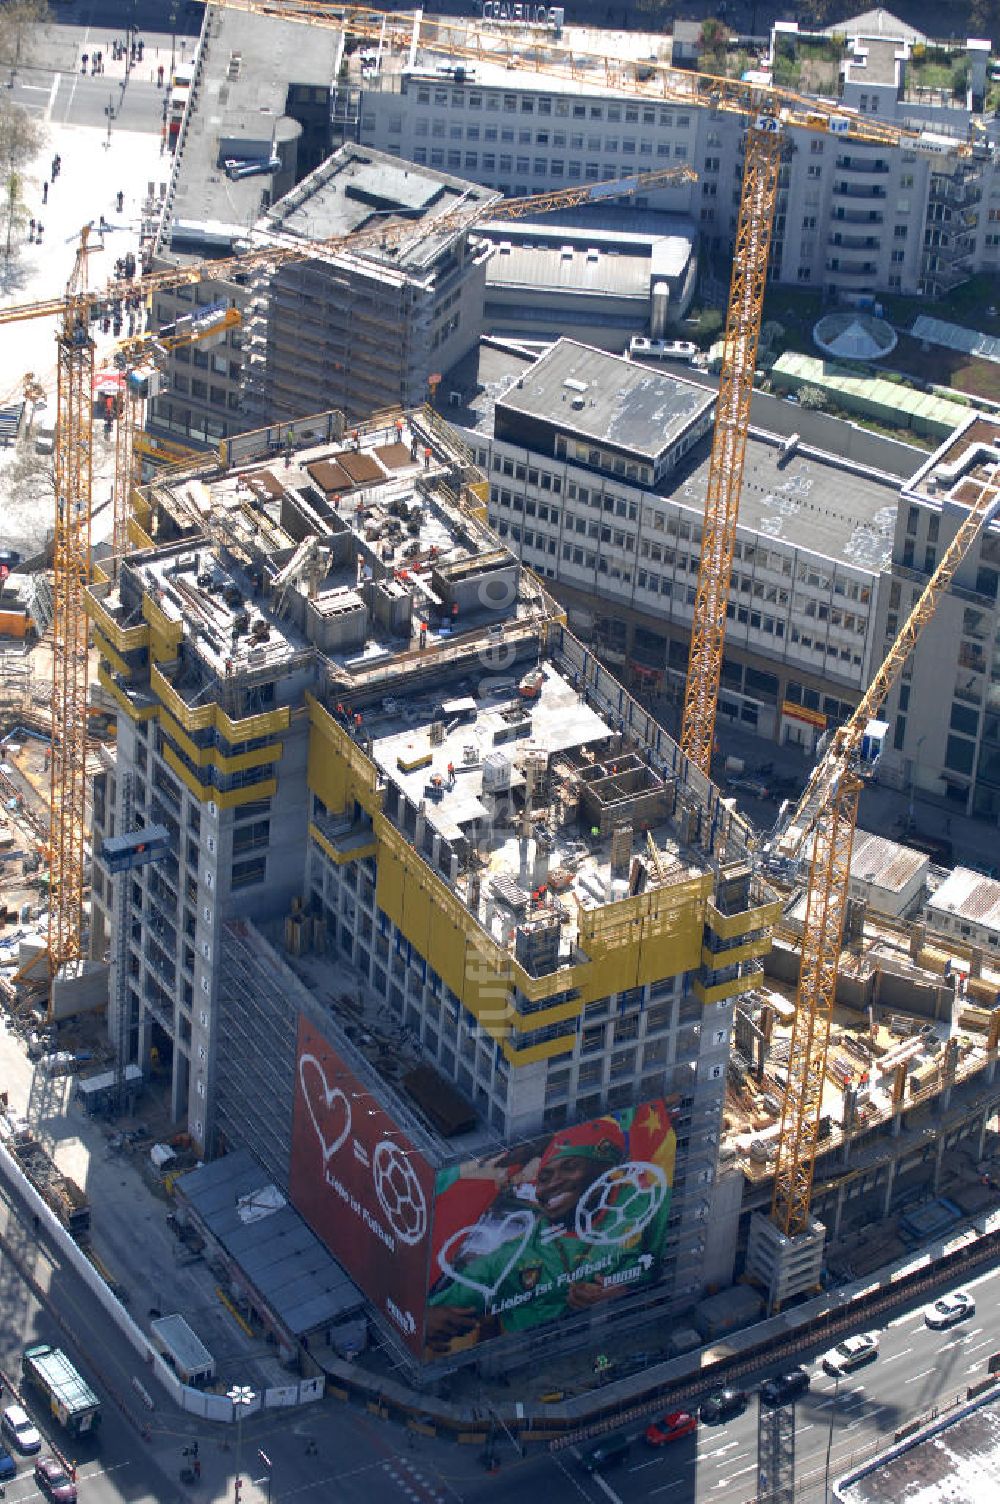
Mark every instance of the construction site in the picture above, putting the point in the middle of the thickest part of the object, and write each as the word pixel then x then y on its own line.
pixel 370 824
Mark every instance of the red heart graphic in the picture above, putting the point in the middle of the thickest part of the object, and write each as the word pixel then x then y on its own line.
pixel 327 1105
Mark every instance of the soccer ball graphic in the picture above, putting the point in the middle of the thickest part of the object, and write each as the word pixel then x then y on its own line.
pixel 399 1193
pixel 620 1204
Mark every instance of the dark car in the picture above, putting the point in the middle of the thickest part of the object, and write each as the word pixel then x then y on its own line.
pixel 787 1386
pixel 613 1449
pixel 8 1467
pixel 722 1405
pixel 54 1481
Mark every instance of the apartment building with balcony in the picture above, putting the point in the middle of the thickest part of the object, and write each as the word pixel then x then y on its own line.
pixel 944 714
pixel 850 219
pixel 598 471
pixel 411 819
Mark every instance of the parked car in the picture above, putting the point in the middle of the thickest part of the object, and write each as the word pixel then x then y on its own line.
pixel 722 1405
pixel 671 1428
pixel 950 1309
pixel 18 1425
pixel 613 1449
pixel 8 1467
pixel 787 1386
pixel 850 1354
pixel 54 1481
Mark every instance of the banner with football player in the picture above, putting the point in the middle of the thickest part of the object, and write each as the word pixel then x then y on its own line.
pixel 553 1226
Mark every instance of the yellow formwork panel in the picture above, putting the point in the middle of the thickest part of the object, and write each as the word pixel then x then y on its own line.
pixel 123 639
pixel 134 713
pixel 745 952
pixel 165 635
pixel 250 727
pixel 341 858
pixel 533 1052
pixel 226 799
pixel 728 926
pixel 338 771
pixel 205 757
pixel 137 535
pixel 192 720
pixel 715 993
pixel 106 651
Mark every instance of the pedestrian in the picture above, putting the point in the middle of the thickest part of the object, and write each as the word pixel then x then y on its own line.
pixel 38 231
pixel 120 200
pixel 197 1468
pixel 31 229
pixel 45 191
pixel 86 59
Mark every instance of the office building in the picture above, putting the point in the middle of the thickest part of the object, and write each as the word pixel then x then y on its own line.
pixel 598 470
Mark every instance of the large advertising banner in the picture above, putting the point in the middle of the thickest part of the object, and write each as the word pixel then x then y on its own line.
pixel 360 1184
pixel 552 1227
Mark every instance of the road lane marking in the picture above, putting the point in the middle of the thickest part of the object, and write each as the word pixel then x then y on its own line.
pixel 665 1488
pixel 607 1489
pixel 902 1320
pixel 893 1357
pixel 913 1379
pixel 52 98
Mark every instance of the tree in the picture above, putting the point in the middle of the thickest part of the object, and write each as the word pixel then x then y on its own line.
pixel 14 213
pixel 714 42
pixel 21 137
pixel 20 24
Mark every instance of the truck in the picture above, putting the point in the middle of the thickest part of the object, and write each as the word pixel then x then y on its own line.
pixel 72 1401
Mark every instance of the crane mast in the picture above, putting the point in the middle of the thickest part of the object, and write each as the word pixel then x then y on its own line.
pixel 827 813
pixel 71 574
pixel 729 441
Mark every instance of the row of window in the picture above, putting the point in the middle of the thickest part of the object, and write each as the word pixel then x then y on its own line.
pixel 633 146
pixel 526 104
pixel 593 172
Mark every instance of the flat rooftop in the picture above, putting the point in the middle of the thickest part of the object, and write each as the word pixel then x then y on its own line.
pixel 285 1262
pixel 578 270
pixel 249 62
pixel 433 55
pixel 954 1462
pixel 608 399
pixel 885 864
pixel 877 65
pixel 358 188
pixel 805 501
pixel 962 465
pixel 969 896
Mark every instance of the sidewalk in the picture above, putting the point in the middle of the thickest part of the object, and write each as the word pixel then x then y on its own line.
pixel 93 171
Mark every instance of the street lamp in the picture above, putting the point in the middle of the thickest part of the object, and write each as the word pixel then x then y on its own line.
pixel 241 1396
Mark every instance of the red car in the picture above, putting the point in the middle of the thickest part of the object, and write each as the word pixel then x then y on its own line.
pixel 54 1481
pixel 671 1428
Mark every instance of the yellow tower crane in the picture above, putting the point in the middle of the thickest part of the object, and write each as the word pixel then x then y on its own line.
pixel 140 358
pixel 74 312
pixel 826 815
pixel 769 114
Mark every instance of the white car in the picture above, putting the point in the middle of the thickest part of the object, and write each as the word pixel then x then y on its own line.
pixel 851 1354
pixel 18 1425
pixel 950 1309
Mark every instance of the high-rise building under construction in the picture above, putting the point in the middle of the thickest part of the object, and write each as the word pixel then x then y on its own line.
pixel 451 934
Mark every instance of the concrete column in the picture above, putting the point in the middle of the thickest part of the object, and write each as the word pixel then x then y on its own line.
pixel 145 1036
pixel 938 1161
pixel 179 1085
pixel 890 1182
pixel 838 1209
pixel 918 934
